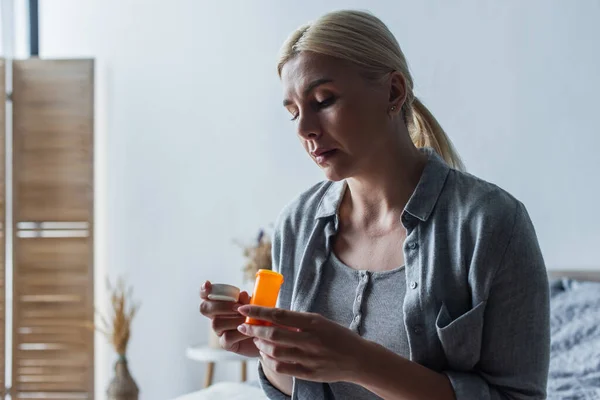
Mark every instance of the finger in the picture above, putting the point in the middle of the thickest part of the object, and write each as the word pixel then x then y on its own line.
pixel 282 367
pixel 205 290
pixel 280 316
pixel 280 352
pixel 230 340
pixel 274 334
pixel 244 298
pixel 211 309
pixel 222 324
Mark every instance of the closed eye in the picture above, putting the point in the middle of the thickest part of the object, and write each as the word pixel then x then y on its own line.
pixel 327 102
pixel 318 106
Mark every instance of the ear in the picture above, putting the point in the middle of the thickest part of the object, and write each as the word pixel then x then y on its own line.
pixel 397 95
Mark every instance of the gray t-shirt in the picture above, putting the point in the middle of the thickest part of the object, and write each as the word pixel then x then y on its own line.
pixel 370 304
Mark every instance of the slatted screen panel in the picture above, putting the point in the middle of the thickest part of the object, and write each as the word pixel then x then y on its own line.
pixel 2 225
pixel 53 349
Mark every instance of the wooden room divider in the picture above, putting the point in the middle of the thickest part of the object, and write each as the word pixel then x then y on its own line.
pixel 2 226
pixel 52 229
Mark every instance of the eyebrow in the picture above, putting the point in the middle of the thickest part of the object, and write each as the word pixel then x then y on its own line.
pixel 314 84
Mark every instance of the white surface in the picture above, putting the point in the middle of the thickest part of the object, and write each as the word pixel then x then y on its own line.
pixel 194 132
pixel 226 391
pixel 14 28
pixel 205 353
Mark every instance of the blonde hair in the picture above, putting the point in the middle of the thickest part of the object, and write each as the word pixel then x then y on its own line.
pixel 365 40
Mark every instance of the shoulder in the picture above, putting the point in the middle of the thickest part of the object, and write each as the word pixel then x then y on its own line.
pixel 494 225
pixel 476 199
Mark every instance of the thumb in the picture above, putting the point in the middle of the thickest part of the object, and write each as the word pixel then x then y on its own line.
pixel 205 290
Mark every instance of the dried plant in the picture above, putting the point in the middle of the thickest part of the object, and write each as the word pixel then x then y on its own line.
pixel 117 328
pixel 258 256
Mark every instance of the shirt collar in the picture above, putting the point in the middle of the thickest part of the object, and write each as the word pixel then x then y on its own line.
pixel 421 203
pixel 331 199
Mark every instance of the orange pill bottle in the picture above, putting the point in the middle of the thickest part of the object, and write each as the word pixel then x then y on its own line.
pixel 266 290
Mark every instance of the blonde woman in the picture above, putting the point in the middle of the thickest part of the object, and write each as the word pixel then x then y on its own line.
pixel 405 278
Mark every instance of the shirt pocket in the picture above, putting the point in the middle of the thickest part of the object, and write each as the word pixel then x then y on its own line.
pixel 461 337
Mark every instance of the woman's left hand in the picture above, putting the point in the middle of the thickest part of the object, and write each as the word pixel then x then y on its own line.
pixel 305 345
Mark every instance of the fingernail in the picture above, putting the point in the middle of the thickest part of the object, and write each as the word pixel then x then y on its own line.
pixel 204 285
pixel 242 309
pixel 242 328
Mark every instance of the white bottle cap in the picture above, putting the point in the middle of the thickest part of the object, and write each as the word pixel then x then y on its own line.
pixel 223 292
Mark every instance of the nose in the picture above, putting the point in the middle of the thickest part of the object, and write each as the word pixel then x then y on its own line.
pixel 309 126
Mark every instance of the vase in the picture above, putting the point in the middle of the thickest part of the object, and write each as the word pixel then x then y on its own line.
pixel 122 386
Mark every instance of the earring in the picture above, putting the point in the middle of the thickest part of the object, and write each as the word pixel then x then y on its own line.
pixel 393 108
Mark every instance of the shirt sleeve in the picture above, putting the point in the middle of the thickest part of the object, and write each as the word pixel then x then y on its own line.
pixel 515 352
pixel 271 391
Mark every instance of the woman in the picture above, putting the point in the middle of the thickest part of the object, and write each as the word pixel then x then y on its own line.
pixel 404 277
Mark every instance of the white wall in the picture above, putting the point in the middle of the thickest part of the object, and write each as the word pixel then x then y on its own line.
pixel 14 28
pixel 191 134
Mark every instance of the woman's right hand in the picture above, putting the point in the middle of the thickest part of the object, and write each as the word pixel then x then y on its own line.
pixel 225 320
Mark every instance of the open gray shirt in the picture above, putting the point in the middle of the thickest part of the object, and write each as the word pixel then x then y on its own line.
pixel 476 306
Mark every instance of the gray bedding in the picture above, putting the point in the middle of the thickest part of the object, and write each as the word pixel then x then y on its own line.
pixel 575 346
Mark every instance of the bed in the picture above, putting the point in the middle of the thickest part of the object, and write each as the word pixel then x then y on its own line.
pixel 575 346
pixel 575 331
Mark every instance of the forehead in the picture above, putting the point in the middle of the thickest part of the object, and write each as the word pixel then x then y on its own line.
pixel 307 67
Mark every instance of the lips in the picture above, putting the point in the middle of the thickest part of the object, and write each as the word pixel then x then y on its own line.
pixel 323 155
pixel 320 152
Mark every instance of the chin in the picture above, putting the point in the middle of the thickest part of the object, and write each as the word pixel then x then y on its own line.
pixel 334 175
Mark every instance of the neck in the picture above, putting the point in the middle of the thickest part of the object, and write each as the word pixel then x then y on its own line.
pixel 379 193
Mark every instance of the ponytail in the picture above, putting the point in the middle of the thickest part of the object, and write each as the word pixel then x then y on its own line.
pixel 425 131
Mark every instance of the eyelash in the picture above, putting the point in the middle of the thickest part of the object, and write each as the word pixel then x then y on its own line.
pixel 320 105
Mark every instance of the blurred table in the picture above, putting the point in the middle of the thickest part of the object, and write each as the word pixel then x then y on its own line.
pixel 211 356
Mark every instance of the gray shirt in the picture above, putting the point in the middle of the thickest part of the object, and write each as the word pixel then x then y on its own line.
pixel 477 305
pixel 370 304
